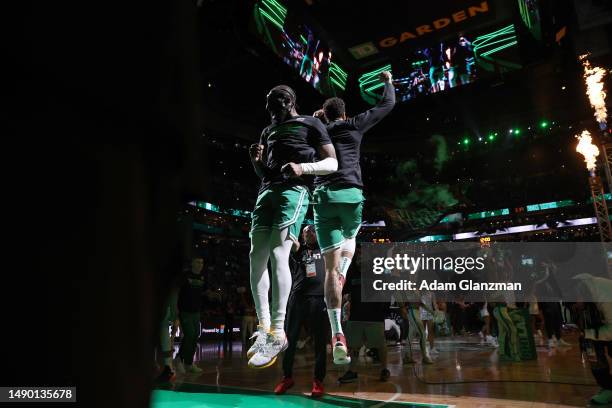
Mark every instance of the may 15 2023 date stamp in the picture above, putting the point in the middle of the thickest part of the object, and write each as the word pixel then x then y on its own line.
pixel 37 394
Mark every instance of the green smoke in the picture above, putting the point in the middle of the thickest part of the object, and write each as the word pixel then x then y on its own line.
pixel 441 153
pixel 415 182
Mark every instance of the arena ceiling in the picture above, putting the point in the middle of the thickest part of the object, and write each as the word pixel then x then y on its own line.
pixel 367 32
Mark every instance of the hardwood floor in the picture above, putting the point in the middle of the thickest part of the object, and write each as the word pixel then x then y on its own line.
pixel 465 374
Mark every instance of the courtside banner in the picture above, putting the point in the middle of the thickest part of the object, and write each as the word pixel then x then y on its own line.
pixel 487 272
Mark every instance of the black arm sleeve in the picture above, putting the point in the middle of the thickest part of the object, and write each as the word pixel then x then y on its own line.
pixel 364 121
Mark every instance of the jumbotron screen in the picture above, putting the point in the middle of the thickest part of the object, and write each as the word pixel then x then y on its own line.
pixel 298 45
pixel 446 64
pixel 437 68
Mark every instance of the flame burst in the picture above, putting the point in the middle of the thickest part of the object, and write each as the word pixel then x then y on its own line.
pixel 593 77
pixel 587 149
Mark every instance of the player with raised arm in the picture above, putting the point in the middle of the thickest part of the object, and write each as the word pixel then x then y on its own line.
pixel 338 201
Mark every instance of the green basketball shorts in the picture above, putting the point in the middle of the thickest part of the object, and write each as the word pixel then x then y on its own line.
pixel 280 207
pixel 337 215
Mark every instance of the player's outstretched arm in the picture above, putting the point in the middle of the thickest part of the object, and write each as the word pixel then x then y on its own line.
pixel 364 121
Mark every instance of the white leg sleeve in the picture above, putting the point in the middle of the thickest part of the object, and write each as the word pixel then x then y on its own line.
pixel 260 280
pixel 280 247
pixel 347 246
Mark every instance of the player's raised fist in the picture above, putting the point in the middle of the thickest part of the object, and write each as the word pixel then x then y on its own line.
pixel 386 76
pixel 256 151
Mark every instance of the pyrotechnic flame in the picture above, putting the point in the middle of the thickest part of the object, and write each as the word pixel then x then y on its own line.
pixel 593 77
pixel 587 149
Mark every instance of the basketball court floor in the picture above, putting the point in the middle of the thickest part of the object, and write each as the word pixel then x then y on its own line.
pixel 466 374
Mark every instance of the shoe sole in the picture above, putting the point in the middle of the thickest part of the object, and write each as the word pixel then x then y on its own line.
pixel 347 381
pixel 341 356
pixel 265 365
pixel 343 361
pixel 273 360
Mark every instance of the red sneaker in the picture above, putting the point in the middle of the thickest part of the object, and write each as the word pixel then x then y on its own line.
pixel 317 389
pixel 340 350
pixel 283 385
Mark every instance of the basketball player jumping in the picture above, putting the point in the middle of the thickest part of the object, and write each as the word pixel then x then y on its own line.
pixel 338 202
pixel 284 159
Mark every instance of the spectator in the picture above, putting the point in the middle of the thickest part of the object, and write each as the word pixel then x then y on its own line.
pixel 248 319
pixel 306 304
pixel 170 318
pixel 551 309
pixel 190 305
pixel 598 331
pixel 427 310
pixel 458 314
pixel 365 326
